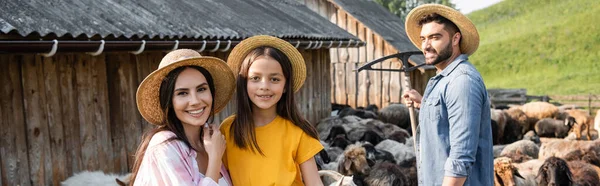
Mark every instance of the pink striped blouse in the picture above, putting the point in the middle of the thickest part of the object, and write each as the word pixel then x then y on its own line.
pixel 172 163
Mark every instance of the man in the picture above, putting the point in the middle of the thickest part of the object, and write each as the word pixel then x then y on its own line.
pixel 454 136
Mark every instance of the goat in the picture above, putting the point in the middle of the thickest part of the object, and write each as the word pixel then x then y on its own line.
pixel 583 173
pixel 96 178
pixel 400 151
pixel 386 174
pixel 554 171
pixel 339 179
pixel 548 127
pixel 353 161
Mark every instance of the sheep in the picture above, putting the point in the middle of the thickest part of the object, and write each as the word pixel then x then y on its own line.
pixel 324 126
pixel 373 108
pixel 399 136
pixel 334 153
pixel 374 155
pixel 532 136
pixel 580 155
pixel 583 173
pixel 371 137
pixel 338 179
pixel 336 131
pixel 573 135
pixel 389 129
pixel 396 114
pixel 560 148
pixel 409 168
pixel 336 108
pixel 539 110
pixel 530 167
pixel 322 158
pixel 400 151
pixel 365 114
pixel 497 149
pixel 512 133
pixel 524 147
pixel 518 117
pixel 353 161
pixel 548 127
pixel 505 173
pixel 500 118
pixel 96 178
pixel 584 121
pixel 554 171
pixel 386 174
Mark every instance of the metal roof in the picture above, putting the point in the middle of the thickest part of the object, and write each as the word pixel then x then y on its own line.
pixel 381 21
pixel 173 19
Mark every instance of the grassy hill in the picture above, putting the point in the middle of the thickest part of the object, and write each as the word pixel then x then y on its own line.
pixel 546 46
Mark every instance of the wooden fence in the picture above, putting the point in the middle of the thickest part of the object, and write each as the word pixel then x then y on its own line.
pixel 74 112
pixel 590 102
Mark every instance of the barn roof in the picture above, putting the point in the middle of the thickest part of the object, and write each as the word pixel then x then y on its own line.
pixel 381 21
pixel 173 19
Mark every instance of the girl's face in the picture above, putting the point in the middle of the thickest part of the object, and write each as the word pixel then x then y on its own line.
pixel 192 99
pixel 266 83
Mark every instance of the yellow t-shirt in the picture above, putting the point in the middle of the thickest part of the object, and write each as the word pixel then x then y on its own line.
pixel 285 147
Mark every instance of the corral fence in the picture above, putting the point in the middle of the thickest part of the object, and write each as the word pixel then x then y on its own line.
pixel 504 97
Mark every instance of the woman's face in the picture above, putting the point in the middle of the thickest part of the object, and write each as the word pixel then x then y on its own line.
pixel 192 99
pixel 266 83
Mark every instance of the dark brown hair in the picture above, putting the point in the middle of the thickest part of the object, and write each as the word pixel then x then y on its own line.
pixel 171 123
pixel 449 26
pixel 242 127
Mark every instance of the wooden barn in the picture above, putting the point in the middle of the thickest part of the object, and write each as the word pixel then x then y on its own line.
pixel 69 71
pixel 384 34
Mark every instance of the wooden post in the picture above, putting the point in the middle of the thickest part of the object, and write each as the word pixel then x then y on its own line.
pixel 411 111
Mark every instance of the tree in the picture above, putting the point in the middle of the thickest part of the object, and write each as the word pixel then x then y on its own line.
pixel 401 7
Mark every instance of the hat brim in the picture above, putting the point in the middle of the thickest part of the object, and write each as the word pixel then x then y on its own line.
pixel 240 51
pixel 470 37
pixel 148 98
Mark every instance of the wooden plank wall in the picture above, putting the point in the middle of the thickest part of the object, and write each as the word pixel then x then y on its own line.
pixel 74 112
pixel 379 88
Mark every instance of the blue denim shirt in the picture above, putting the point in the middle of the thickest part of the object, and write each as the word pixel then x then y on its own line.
pixel 454 135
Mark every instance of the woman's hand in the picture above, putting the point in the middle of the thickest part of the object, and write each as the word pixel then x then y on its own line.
pixel 214 142
pixel 214 145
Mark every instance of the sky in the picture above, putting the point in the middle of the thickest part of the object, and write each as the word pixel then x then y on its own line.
pixel 467 6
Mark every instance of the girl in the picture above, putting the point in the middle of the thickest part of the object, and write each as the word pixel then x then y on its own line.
pixel 268 141
pixel 179 98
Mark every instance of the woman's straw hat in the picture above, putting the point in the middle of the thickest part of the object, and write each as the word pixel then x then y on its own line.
pixel 469 40
pixel 147 96
pixel 240 51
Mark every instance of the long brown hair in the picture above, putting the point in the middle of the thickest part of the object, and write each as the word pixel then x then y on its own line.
pixel 242 127
pixel 171 123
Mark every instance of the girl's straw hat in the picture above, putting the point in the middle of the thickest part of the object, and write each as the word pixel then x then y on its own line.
pixel 469 40
pixel 147 96
pixel 240 51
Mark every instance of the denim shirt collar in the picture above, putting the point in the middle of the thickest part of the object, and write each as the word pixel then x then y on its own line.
pixel 453 65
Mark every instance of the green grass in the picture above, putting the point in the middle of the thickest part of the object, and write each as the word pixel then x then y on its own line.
pixel 549 47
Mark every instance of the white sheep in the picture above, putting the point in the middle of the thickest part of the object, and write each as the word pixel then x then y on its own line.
pixel 96 178
pixel 340 180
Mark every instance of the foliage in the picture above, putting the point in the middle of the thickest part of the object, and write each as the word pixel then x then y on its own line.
pixel 402 7
pixel 549 47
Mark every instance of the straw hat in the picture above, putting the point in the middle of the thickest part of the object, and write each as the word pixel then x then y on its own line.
pixel 469 40
pixel 240 51
pixel 147 96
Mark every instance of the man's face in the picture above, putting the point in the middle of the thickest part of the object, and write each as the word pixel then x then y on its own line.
pixel 436 43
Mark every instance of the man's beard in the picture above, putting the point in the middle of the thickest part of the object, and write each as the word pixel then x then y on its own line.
pixel 443 55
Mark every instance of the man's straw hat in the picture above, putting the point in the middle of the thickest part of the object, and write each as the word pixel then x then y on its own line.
pixel 240 51
pixel 147 96
pixel 469 40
